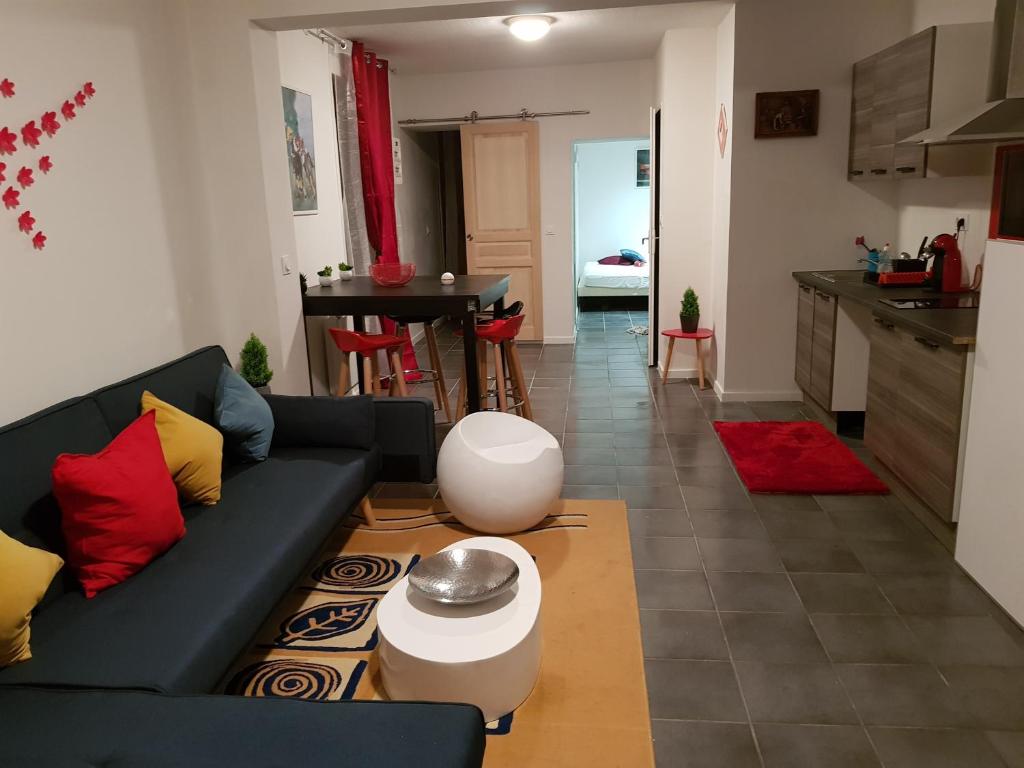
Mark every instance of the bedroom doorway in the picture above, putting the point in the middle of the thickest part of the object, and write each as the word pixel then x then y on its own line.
pixel 611 225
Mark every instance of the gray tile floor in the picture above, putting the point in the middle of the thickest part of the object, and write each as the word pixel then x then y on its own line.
pixel 778 631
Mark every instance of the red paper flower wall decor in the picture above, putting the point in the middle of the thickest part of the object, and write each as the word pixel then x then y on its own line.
pixel 31 134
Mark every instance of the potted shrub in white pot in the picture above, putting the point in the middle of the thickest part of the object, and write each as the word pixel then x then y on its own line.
pixel 324 275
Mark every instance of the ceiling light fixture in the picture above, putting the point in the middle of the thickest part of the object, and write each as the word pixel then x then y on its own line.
pixel 529 28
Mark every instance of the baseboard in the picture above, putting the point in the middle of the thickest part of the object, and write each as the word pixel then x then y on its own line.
pixel 677 373
pixel 759 395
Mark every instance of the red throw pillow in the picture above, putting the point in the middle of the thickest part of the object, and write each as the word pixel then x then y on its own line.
pixel 613 260
pixel 119 507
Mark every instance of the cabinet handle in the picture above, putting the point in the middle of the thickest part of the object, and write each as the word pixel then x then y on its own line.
pixel 856 173
pixel 906 169
pixel 824 296
pixel 879 171
pixel 805 288
pixel 926 342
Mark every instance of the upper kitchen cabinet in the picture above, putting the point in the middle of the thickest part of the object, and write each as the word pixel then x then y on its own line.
pixel 902 90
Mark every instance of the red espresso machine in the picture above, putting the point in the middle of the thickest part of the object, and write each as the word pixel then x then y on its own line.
pixel 947 265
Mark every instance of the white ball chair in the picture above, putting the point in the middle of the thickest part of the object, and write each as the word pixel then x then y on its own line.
pixel 499 473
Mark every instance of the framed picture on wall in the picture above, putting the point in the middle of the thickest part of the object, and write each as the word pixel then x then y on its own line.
pixel 298 136
pixel 643 167
pixel 780 114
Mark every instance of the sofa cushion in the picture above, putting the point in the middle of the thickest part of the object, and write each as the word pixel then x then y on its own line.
pixel 25 574
pixel 140 730
pixel 192 448
pixel 243 416
pixel 330 422
pixel 119 507
pixel 189 383
pixel 177 625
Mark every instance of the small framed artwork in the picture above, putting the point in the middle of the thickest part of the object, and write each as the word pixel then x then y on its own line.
pixel 298 136
pixel 780 114
pixel 643 167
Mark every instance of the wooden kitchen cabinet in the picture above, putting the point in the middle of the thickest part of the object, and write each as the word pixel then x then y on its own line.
pixel 815 343
pixel 915 411
pixel 891 101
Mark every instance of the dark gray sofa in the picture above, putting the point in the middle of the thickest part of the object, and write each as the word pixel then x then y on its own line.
pixel 175 628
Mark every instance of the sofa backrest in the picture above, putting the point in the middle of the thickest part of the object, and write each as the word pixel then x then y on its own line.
pixel 188 383
pixel 28 448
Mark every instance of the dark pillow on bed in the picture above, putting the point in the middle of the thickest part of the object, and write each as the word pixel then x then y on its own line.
pixel 630 256
pixel 613 260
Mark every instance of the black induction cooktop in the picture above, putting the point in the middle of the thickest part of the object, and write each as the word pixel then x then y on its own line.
pixel 966 301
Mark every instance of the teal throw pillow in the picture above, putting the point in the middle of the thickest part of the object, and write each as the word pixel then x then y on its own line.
pixel 243 415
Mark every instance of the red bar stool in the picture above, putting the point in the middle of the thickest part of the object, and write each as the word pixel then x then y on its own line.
pixel 501 334
pixel 435 373
pixel 367 345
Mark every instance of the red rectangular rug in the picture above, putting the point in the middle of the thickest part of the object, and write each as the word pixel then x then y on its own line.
pixel 794 457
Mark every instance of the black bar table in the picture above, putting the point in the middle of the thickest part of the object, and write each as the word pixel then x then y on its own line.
pixel 469 294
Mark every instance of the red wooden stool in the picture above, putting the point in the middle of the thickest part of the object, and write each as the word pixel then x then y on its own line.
pixel 366 345
pixel 502 335
pixel 698 336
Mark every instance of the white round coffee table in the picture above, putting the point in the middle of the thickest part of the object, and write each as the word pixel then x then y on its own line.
pixel 486 654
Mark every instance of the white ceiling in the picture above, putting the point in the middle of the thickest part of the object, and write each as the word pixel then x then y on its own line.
pixel 577 37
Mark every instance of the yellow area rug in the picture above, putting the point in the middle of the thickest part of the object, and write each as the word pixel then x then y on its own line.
pixel 589 706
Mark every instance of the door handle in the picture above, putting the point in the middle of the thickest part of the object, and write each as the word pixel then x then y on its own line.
pixel 469 237
pixel 879 171
pixel 644 240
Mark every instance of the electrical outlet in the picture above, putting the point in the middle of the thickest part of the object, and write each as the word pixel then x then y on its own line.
pixel 286 264
pixel 966 217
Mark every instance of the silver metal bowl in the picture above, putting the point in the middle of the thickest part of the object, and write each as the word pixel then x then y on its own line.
pixel 464 576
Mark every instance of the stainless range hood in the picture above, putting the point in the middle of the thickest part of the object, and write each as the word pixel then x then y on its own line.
pixel 1001 118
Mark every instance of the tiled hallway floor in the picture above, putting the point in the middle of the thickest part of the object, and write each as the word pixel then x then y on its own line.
pixel 824 632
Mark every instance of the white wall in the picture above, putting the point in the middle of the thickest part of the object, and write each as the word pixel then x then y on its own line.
pixel 991 527
pixel 307 65
pixel 618 96
pixel 121 284
pixel 725 52
pixel 686 64
pixel 792 207
pixel 612 212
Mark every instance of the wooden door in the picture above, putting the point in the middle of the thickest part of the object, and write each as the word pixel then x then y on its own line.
pixel 913 102
pixel 822 343
pixel 860 118
pixel 501 182
pixel 804 335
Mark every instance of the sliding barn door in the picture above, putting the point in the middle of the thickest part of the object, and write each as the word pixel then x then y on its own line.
pixel 501 180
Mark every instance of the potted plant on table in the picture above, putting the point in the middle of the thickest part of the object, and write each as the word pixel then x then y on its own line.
pixel 324 275
pixel 254 365
pixel 344 271
pixel 689 312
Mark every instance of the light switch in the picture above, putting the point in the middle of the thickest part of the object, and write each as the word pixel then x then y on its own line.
pixel 286 264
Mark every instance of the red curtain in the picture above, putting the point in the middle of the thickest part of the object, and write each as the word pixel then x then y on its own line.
pixel 373 115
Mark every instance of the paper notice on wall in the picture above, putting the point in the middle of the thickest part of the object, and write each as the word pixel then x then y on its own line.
pixel 396 159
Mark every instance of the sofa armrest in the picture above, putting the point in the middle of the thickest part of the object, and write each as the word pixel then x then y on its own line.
pixel 405 433
pixel 329 422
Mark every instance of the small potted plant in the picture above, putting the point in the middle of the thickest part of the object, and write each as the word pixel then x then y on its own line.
pixel 325 275
pixel 254 365
pixel 689 312
pixel 344 271
pixel 302 282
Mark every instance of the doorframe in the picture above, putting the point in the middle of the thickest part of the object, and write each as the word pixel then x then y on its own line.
pixel 574 218
pixel 654 244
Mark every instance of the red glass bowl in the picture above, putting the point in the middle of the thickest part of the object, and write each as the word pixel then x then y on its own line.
pixel 392 275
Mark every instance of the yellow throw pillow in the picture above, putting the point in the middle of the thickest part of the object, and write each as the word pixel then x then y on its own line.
pixel 192 449
pixel 25 574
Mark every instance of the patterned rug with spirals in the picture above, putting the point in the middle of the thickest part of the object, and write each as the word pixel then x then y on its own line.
pixel 589 706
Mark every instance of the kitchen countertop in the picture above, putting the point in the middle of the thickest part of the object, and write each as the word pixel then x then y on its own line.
pixel 947 326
